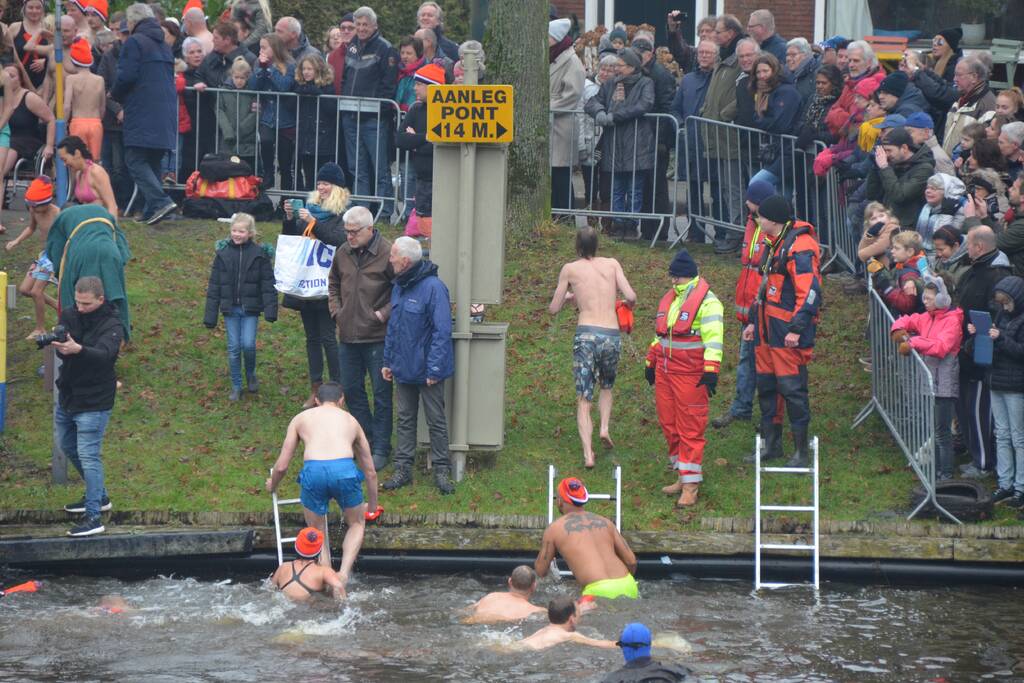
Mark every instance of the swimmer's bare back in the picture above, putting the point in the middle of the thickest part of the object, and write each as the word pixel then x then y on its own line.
pixel 327 433
pixel 591 546
pixel 595 284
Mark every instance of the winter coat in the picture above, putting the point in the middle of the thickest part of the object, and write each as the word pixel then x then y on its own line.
pixel 910 101
pixel 275 112
pixel 720 105
pixel 901 186
pixel 371 69
pixel 979 106
pixel 317 125
pixel 588 133
pixel 842 111
pixel 304 49
pixel 241 275
pixel 336 60
pixel 684 54
pixel 956 265
pixel 145 89
pixel 215 70
pixel 939 91
pixel 630 143
pixel 446 46
pixel 421 152
pixel 327 231
pixel 943 164
pixel 937 336
pixel 813 125
pixel 1011 242
pixel 803 81
pixel 108 70
pixel 360 284
pixel 87 381
pixel 184 118
pixel 776 45
pixel 974 293
pixel 418 345
pixel 1008 348
pixel 236 122
pixel 664 94
pixel 689 100
pixel 781 115
pixel 566 79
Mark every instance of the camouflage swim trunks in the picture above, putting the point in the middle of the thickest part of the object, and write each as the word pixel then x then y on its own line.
pixel 595 355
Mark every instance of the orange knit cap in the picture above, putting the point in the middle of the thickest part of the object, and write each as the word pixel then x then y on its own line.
pixel 308 542
pixel 431 74
pixel 198 4
pixel 572 491
pixel 39 192
pixel 81 53
pixel 99 8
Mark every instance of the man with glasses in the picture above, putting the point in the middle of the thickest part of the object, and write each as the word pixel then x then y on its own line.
pixel 761 27
pixel 1011 136
pixel 336 58
pixel 359 295
pixel 977 102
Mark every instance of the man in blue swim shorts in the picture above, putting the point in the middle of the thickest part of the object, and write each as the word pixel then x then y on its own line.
pixel 337 461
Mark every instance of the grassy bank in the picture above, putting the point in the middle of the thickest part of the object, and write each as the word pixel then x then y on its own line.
pixel 175 442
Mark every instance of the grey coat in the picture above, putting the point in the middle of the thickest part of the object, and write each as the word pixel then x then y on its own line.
pixel 628 145
pixel 566 89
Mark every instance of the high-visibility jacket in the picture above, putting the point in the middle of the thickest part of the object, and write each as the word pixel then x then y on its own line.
pixel 689 330
pixel 790 294
pixel 750 274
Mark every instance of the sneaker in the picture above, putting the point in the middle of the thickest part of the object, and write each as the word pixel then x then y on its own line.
pixel 1017 501
pixel 972 472
pixel 87 526
pixel 159 214
pixel 401 477
pixel 78 507
pixel 443 483
pixel 1000 495
pixel 236 393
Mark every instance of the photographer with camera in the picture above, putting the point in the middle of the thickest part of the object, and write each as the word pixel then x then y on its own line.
pixel 87 340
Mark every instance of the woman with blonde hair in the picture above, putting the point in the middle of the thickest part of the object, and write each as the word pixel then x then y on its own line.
pixel 319 218
pixel 317 118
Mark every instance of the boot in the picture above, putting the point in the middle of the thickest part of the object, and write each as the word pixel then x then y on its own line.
pixel 802 457
pixel 311 401
pixel 689 497
pixel 441 480
pixel 672 489
pixel 772 446
pixel 401 477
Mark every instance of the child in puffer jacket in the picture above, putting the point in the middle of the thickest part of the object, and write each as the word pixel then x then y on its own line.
pixel 900 286
pixel 1007 333
pixel 936 335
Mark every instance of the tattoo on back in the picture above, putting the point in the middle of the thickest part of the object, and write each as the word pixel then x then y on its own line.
pixel 584 521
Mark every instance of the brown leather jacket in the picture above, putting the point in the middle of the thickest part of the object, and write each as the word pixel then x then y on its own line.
pixel 358 288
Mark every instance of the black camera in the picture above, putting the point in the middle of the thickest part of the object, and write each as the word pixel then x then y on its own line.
pixel 876 229
pixel 59 334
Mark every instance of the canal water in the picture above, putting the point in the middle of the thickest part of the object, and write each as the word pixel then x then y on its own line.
pixel 406 628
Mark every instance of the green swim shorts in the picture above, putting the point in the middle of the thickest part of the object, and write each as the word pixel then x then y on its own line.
pixel 624 587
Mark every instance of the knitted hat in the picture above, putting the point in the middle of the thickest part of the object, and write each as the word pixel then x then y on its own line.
pixel 558 29
pixel 99 8
pixel 642 45
pixel 865 87
pixel 431 74
pixel 82 5
pixel 572 491
pixel 39 192
pixel 331 173
pixel 619 34
pixel 953 36
pixel 308 542
pixel 683 265
pixel 759 190
pixel 630 57
pixel 919 119
pixel 776 209
pixel 347 18
pixel 81 53
pixel 832 43
pixel 635 641
pixel 895 83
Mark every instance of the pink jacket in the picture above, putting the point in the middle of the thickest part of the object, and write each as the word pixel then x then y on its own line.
pixel 839 115
pixel 937 337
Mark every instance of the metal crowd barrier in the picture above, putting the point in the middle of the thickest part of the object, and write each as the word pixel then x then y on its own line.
pixel 903 395
pixel 228 120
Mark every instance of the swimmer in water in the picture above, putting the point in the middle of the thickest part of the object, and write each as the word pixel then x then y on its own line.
pixel 114 604
pixel 337 460
pixel 511 605
pixel 563 617
pixel 635 642
pixel 595 551
pixel 302 578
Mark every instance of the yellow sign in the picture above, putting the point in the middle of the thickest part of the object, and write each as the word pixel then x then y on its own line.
pixel 469 113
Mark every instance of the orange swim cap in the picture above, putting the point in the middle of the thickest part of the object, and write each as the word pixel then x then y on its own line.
pixel 81 53
pixel 308 542
pixel 572 491
pixel 39 192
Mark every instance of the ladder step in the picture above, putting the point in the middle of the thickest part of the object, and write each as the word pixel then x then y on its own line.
pixel 789 508
pixel 786 546
pixel 765 584
pixel 792 470
pixel 601 496
pixel 289 540
pixel 289 501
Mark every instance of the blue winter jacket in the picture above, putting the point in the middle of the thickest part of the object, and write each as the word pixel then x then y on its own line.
pixel 268 79
pixel 688 102
pixel 145 88
pixel 418 343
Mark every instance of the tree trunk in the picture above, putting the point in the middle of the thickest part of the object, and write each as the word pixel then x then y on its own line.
pixel 516 45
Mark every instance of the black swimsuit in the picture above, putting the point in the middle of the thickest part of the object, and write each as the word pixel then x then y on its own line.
pixel 297 578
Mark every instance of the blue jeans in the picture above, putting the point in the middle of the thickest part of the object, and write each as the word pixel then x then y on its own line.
pixel 241 332
pixel 628 191
pixel 356 361
pixel 1008 414
pixel 80 436
pixel 746 381
pixel 143 165
pixel 367 142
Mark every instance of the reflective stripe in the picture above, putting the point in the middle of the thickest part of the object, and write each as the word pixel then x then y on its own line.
pixel 745 310
pixel 689 466
pixel 713 345
pixel 666 344
pixel 691 478
pixel 710 319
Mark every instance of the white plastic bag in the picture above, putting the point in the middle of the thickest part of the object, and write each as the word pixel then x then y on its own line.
pixel 301 266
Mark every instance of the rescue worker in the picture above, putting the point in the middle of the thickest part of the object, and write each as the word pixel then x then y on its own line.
pixel 784 319
pixel 683 363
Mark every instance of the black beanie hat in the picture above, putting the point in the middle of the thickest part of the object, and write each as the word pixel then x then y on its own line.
pixel 776 209
pixel 331 173
pixel 683 265
pixel 953 37
pixel 895 83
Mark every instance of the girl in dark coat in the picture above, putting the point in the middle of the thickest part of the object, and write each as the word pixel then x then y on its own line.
pixel 317 119
pixel 241 287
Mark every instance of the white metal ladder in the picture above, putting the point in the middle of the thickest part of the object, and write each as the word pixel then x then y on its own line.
pixel 277 523
pixel 617 497
pixel 758 545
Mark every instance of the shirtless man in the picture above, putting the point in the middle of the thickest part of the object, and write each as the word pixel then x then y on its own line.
pixel 334 450
pixel 562 629
pixel 593 282
pixel 42 213
pixel 511 605
pixel 302 578
pixel 85 99
pixel 595 551
pixel 75 10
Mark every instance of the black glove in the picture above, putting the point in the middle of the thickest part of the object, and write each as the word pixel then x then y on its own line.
pixel 709 380
pixel 649 374
pixel 881 280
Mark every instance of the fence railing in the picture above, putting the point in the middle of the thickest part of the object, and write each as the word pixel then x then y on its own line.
pixel 903 395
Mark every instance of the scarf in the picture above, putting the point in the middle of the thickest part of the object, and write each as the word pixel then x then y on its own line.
pixel 973 94
pixel 558 48
pixel 940 66
pixel 408 71
pixel 318 212
pixel 761 96
pixel 817 109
